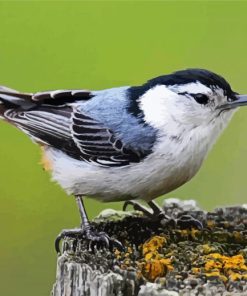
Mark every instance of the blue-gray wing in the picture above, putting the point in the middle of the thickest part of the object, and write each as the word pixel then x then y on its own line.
pixel 99 144
pixel 55 121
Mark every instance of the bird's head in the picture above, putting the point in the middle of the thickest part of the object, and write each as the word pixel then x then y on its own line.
pixel 192 97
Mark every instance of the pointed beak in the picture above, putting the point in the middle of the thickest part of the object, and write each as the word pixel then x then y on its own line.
pixel 241 100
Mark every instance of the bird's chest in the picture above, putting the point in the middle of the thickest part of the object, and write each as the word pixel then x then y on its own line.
pixel 174 163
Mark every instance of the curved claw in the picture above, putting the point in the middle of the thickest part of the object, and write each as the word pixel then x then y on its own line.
pixel 93 237
pixel 62 234
pixel 188 221
pixel 118 244
pixel 109 242
pixel 105 239
pixel 100 237
pixel 57 243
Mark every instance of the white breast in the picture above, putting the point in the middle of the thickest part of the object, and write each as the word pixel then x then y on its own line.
pixel 174 162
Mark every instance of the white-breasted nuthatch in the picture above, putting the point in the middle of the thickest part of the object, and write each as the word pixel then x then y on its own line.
pixel 129 142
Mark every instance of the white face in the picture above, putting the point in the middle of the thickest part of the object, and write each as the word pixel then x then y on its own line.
pixel 191 104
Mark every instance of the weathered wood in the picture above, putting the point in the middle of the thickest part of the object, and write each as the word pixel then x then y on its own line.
pixel 82 271
pixel 75 278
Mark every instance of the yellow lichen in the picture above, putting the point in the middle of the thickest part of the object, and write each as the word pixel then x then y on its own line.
pixel 156 268
pixel 225 267
pixel 153 245
pixel 117 254
pixel 154 264
pixel 233 262
pixel 130 251
pixel 184 232
pixel 211 223
pixel 238 236
pixel 216 274
pixel 207 249
pixel 234 276
pixel 211 265
pixel 196 270
pixel 194 232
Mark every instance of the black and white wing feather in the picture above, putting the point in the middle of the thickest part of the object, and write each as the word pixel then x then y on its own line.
pixel 99 144
pixel 51 119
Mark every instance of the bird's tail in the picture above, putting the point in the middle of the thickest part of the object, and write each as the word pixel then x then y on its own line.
pixel 11 99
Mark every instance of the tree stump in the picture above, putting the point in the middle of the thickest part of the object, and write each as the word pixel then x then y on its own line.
pixel 160 258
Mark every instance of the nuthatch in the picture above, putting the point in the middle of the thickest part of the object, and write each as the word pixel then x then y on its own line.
pixel 125 143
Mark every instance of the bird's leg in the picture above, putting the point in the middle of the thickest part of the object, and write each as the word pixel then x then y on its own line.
pixel 137 207
pixel 86 231
pixel 157 210
pixel 85 225
pixel 157 213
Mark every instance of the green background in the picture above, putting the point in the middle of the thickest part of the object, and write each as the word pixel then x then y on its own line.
pixel 95 45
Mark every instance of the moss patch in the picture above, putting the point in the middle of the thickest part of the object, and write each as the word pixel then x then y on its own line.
pixel 178 259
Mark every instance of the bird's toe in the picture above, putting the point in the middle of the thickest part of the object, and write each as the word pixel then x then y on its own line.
pixel 187 221
pixel 95 240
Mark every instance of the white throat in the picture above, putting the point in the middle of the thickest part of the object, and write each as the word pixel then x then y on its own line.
pixel 180 130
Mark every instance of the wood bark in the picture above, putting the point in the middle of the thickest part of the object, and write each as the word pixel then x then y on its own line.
pixel 75 278
pixel 82 271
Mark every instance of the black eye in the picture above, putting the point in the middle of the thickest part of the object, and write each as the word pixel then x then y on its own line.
pixel 201 98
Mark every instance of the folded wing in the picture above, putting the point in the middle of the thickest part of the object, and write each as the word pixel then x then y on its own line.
pixel 54 121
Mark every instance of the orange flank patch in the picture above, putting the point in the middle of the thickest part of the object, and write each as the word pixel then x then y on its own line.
pixel 45 162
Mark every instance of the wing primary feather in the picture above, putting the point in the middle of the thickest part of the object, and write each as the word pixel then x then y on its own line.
pixel 60 97
pixel 53 119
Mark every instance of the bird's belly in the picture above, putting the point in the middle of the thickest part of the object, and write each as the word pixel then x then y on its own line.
pixel 147 180
pixel 168 177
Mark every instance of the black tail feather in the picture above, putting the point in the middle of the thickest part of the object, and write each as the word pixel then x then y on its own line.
pixel 11 99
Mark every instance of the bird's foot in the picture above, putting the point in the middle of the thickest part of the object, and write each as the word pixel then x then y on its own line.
pixel 157 214
pixel 187 221
pixel 97 240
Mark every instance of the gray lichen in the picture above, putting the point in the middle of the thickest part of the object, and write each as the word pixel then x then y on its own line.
pixel 158 258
